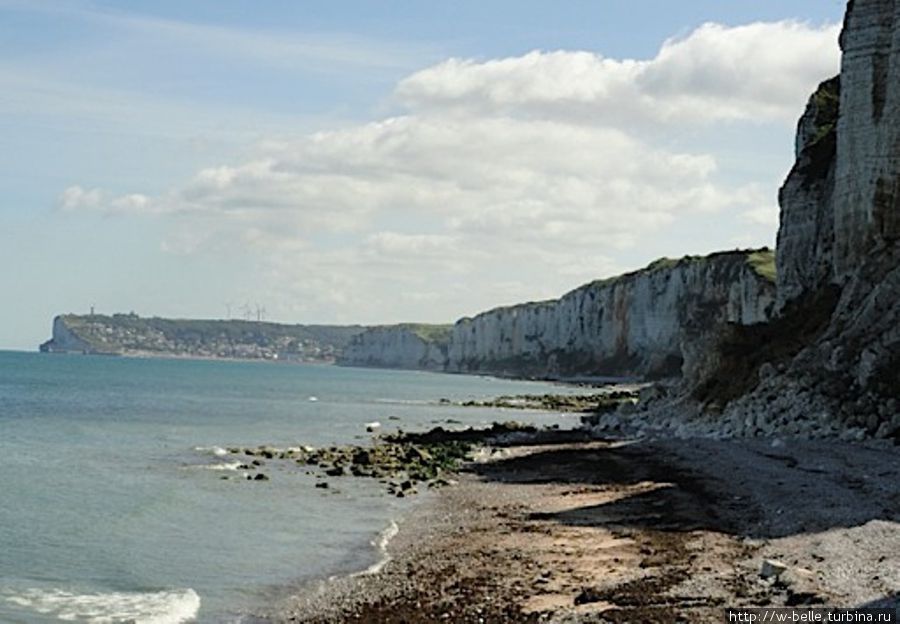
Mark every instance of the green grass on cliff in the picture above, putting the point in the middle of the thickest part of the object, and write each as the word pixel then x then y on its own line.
pixel 763 262
pixel 431 333
pixel 826 101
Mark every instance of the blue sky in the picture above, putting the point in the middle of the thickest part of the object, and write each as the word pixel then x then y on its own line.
pixel 383 161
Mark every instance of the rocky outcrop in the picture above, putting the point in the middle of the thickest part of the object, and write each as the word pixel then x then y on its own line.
pixel 417 347
pixel 640 324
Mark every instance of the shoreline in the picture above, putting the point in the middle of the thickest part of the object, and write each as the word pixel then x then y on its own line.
pixel 625 530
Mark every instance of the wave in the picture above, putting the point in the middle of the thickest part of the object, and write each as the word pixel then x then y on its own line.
pixel 164 607
pixel 235 465
pixel 218 451
pixel 381 543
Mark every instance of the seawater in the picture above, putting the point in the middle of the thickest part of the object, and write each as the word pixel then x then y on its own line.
pixel 112 505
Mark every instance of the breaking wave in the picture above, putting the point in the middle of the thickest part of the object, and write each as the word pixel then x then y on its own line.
pixel 164 607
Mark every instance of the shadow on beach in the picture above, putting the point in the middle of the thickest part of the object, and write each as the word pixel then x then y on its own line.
pixel 742 488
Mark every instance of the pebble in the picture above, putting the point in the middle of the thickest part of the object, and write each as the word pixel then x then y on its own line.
pixel 772 569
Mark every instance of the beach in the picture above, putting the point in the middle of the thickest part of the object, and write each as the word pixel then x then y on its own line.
pixel 625 530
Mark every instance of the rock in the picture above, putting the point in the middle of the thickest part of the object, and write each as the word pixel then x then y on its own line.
pixel 651 393
pixel 417 454
pixel 322 485
pixel 336 471
pixel 767 371
pixel 589 595
pixel 772 569
pixel 260 477
pixel 362 457
pixel 872 423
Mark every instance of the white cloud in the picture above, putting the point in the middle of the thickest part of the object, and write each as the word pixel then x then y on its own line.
pixel 76 198
pixel 754 72
pixel 503 180
pixel 763 215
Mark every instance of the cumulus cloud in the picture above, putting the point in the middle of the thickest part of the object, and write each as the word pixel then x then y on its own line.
pixel 551 165
pixel 524 179
pixel 754 72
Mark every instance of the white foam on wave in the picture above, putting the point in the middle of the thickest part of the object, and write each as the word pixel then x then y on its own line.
pixel 381 543
pixel 164 607
pixel 235 465
pixel 218 451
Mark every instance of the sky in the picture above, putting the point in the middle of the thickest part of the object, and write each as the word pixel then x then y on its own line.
pixel 379 162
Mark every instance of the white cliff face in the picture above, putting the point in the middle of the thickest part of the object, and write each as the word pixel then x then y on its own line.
pixel 867 177
pixel 839 252
pixel 633 325
pixel 64 340
pixel 861 204
pixel 395 346
pixel 806 233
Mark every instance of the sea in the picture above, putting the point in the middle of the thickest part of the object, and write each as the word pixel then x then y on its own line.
pixel 119 501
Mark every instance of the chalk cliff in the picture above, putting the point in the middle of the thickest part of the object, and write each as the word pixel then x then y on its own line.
pixel 867 176
pixel 831 356
pixel 633 325
pixel 65 340
pixel 410 346
pixel 806 232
